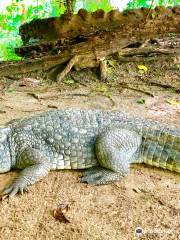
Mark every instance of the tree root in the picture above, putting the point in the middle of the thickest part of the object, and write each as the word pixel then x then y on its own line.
pixel 68 68
pixel 103 69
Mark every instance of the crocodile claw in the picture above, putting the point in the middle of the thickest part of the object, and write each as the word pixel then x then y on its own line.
pixel 13 189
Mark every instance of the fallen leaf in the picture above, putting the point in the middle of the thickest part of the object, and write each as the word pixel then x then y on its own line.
pixel 153 15
pixel 141 101
pixel 59 213
pixel 69 81
pixel 142 69
pixel 173 102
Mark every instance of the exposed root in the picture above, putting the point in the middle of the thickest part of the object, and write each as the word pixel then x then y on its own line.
pixel 103 69
pixel 68 68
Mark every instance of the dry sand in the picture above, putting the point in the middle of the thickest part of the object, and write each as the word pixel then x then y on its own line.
pixel 148 197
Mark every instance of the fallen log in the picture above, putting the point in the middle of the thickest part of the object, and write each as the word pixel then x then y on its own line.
pixel 158 36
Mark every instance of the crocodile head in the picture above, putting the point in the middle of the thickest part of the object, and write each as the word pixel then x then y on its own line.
pixel 5 159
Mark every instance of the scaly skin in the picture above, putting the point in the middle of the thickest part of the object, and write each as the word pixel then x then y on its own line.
pixel 105 143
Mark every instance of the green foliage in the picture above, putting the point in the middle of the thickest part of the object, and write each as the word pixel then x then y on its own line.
pixel 93 5
pixel 147 3
pixel 7 46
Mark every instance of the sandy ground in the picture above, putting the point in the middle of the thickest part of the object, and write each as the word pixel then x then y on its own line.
pixel 148 198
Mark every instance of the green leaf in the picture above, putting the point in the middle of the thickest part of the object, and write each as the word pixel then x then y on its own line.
pixel 69 81
pixel 141 101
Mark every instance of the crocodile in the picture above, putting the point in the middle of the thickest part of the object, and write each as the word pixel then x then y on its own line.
pixel 104 143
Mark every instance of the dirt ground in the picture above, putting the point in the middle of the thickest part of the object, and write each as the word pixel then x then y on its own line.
pixel 148 197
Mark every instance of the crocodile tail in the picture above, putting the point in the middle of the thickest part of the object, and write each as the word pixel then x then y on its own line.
pixel 161 148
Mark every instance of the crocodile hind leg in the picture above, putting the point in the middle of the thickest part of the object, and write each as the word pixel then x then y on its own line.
pixel 115 150
pixel 35 166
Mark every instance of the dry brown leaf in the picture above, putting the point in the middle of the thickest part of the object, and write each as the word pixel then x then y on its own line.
pixel 59 213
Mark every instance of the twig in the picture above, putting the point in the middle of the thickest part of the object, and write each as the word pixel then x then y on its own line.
pixel 34 95
pixel 164 86
pixel 140 90
pixel 32 110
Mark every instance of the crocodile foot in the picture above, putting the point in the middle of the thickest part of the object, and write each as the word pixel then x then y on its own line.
pixel 17 186
pixel 100 176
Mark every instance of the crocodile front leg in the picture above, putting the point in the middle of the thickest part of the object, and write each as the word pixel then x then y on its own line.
pixel 35 166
